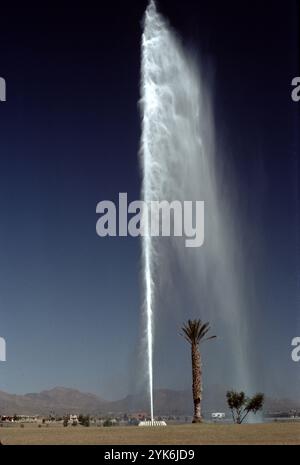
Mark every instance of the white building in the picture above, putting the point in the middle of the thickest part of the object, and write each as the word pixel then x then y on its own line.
pixel 74 419
pixel 218 416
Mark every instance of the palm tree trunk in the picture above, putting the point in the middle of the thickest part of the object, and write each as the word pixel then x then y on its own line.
pixel 197 383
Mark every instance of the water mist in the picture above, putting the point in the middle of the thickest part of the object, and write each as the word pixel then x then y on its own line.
pixel 178 163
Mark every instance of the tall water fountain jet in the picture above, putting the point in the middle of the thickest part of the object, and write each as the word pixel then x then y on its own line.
pixel 178 163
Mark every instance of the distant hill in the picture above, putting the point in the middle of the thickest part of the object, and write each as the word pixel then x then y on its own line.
pixel 59 400
pixel 62 400
pixel 170 402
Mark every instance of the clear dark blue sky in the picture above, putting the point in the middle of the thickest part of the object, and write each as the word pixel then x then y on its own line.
pixel 69 137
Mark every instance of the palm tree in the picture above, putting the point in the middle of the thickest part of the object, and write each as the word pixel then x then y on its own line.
pixel 194 332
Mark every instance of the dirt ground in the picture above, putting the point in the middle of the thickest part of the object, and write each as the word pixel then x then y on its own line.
pixel 273 433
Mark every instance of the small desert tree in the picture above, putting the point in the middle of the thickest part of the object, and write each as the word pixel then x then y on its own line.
pixel 195 332
pixel 86 421
pixel 241 406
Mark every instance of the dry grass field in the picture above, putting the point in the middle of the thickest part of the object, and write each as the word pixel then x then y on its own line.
pixel 273 433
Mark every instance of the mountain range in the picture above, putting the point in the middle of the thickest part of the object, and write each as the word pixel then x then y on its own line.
pixel 61 400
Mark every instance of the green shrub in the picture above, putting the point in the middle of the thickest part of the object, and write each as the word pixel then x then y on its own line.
pixel 108 423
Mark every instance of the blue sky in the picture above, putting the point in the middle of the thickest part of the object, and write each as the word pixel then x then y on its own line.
pixel 70 301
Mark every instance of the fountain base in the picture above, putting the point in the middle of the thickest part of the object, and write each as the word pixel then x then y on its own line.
pixel 152 423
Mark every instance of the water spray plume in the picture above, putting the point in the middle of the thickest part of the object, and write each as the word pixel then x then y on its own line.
pixel 178 163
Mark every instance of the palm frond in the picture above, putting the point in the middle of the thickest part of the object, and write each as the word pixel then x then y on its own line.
pixel 194 331
pixel 209 338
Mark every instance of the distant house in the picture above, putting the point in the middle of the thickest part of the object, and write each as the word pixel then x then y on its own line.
pixel 73 420
pixel 218 416
pixel 141 416
pixel 6 419
pixel 20 418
